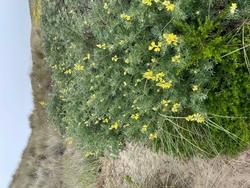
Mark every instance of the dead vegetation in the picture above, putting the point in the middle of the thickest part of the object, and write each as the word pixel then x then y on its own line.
pixel 138 167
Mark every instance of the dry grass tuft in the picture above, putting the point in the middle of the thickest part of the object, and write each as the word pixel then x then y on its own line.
pixel 138 167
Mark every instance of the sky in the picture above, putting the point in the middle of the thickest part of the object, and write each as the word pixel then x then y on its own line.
pixel 15 87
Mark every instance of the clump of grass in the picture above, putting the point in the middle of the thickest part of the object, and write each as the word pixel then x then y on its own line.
pixel 138 167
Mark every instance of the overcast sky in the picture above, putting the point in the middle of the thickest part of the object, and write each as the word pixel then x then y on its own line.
pixel 15 87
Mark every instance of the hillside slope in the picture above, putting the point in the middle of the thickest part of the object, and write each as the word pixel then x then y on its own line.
pixel 45 156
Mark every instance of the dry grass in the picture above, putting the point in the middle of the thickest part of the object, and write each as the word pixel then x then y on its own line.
pixel 138 167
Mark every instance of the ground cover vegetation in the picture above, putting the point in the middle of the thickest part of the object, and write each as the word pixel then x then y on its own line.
pixel 172 75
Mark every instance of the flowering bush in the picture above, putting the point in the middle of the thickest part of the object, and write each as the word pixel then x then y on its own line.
pixel 141 71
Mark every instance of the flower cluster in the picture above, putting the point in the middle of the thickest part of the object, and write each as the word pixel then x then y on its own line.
pixel 176 107
pixel 144 128
pixel 197 117
pixel 176 59
pixel 135 116
pixel 170 38
pixel 102 46
pixel 78 67
pixel 147 2
pixel 114 126
pixel 167 4
pixel 233 8
pixel 164 84
pixel 155 47
pixel 153 136
pixel 195 87
pixel 126 17
pixel 165 104
pixel 115 58
pixel 149 75
pixel 159 78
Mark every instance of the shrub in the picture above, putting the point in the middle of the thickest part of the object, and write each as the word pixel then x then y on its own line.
pixel 148 71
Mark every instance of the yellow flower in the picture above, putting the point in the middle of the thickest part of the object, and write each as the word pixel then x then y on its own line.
pixel 159 76
pixel 89 154
pixel 54 67
pixel 147 2
pixel 69 71
pixel 189 118
pixel 169 6
pixel 106 120
pixel 87 57
pixel 135 116
pixel 42 103
pixel 99 45
pixel 121 42
pixel 199 118
pixel 62 98
pixel 176 107
pixel 165 84
pixel 153 60
pixel 102 46
pixel 155 47
pixel 126 17
pixel 196 117
pixel 153 136
pixel 115 58
pixel 114 126
pixel 105 6
pixel 126 61
pixel 165 102
pixel 233 8
pixel 78 67
pixel 144 128
pixel 69 141
pixel 176 59
pixel 149 75
pixel 152 45
pixel 195 87
pixel 170 38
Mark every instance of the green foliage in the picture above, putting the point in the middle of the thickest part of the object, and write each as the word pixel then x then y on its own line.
pixel 229 96
pixel 112 84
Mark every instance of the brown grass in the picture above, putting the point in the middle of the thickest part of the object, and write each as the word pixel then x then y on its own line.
pixel 138 167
